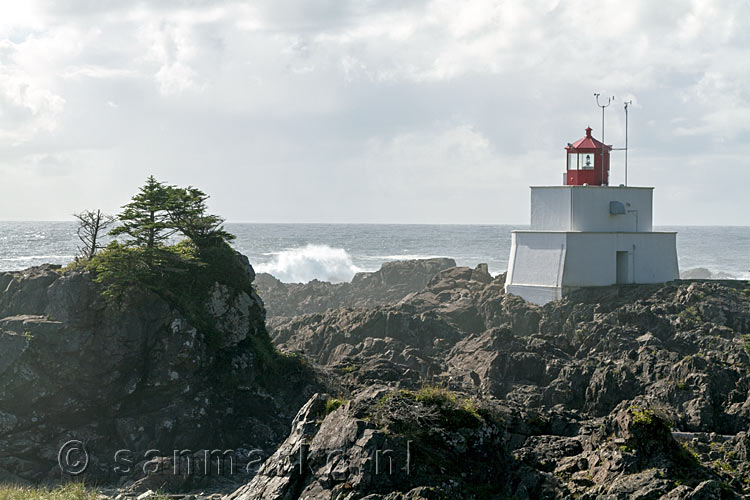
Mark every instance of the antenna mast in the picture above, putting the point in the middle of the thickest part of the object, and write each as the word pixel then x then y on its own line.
pixel 609 101
pixel 627 104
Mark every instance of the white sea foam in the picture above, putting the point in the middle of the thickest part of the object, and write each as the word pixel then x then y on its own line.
pixel 406 256
pixel 39 257
pixel 303 264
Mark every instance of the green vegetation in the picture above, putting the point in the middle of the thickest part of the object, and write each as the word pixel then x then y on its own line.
pixel 144 260
pixel 349 369
pixel 71 491
pixel 429 419
pixel 146 218
pixel 455 412
pixel 691 315
pixel 746 342
pixel 184 273
pixel 650 436
pixel 432 395
pixel 646 417
pixel 721 465
pixel 687 457
pixel 159 211
pixel 383 401
pixel 334 404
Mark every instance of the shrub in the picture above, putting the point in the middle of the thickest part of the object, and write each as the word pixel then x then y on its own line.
pixel 691 315
pixel 71 491
pixel 642 417
pixel 454 412
pixel 334 404
pixel 746 342
pixel 687 457
pixel 434 395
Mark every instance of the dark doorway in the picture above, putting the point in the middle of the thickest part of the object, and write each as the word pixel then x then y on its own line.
pixel 622 268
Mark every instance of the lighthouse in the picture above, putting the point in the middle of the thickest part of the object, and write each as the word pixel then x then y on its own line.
pixel 586 233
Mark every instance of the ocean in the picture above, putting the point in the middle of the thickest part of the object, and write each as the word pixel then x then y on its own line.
pixel 335 252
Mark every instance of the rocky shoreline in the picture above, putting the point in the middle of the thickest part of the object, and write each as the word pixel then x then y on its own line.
pixel 422 380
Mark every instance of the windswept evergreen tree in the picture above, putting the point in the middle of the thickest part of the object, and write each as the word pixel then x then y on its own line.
pixel 188 214
pixel 146 218
pixel 148 259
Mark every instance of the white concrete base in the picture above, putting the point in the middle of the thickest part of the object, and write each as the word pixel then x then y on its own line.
pixel 535 294
pixel 543 265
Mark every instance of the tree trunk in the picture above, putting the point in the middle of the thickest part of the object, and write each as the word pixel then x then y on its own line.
pixel 95 232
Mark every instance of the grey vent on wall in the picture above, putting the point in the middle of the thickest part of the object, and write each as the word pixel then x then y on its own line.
pixel 616 208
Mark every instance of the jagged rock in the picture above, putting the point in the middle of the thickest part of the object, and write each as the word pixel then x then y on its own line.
pixel 579 363
pixel 491 396
pixel 235 313
pixel 135 375
pixel 392 282
pixel 375 445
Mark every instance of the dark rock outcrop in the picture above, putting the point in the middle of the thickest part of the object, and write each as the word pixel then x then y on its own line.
pixel 576 373
pixel 391 283
pixel 681 344
pixel 445 386
pixel 435 444
pixel 377 444
pixel 133 375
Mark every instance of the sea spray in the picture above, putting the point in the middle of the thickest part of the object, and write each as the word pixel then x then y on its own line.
pixel 304 264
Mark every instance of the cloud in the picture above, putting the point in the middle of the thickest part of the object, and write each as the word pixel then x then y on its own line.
pixel 93 71
pixel 27 108
pixel 434 159
pixel 321 110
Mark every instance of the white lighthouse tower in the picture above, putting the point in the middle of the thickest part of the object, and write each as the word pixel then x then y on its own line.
pixel 586 233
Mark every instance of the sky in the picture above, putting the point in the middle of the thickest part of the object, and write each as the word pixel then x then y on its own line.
pixel 427 111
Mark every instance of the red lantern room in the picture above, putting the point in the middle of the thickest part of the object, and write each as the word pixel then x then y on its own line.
pixel 587 162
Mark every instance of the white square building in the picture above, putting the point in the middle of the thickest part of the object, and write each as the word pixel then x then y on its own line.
pixel 584 236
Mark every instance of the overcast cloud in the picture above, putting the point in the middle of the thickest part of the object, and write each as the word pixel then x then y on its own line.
pixel 371 111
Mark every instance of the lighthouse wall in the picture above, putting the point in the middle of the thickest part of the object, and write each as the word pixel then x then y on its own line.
pixel 587 208
pixel 536 265
pixel 551 208
pixel 591 258
pixel 544 265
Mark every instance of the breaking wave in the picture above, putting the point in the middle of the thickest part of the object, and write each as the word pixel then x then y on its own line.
pixel 303 264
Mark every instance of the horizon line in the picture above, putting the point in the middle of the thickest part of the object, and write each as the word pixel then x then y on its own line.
pixel 389 223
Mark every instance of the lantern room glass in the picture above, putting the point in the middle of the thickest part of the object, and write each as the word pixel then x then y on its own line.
pixel 580 161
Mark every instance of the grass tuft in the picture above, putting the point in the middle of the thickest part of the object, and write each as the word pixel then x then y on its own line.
pixel 70 491
pixel 334 404
pixel 746 342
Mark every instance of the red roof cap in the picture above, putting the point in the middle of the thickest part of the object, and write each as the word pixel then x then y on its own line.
pixel 587 142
